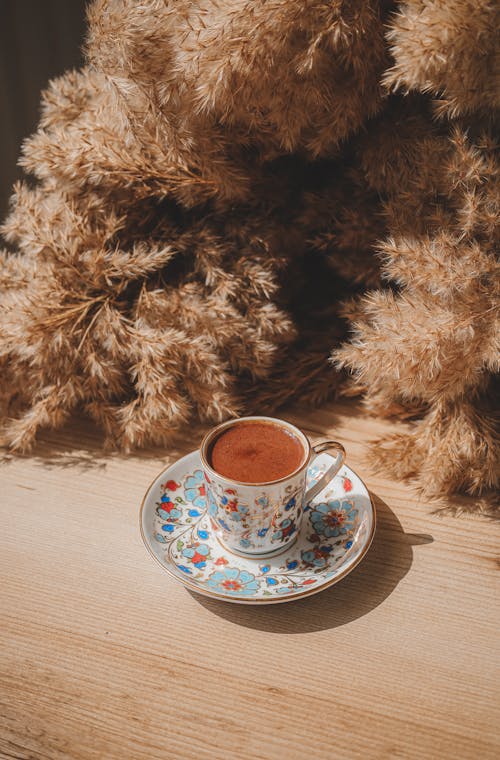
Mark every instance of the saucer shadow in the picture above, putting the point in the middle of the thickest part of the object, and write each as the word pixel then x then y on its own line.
pixel 368 585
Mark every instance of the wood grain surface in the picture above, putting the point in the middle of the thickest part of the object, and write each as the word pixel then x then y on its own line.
pixel 103 655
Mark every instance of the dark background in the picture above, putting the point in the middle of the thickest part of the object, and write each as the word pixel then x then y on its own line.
pixel 39 39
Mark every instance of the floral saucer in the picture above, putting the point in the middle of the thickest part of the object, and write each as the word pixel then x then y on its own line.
pixel 336 532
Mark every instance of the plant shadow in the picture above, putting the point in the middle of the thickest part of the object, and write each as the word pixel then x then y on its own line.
pixel 80 445
pixel 368 585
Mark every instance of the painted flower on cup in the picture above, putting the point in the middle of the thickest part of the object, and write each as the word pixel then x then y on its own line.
pixel 233 581
pixel 237 512
pixel 194 489
pixel 317 557
pixel 229 499
pixel 333 518
pixel 197 554
pixel 229 502
pixel 285 529
pixel 223 524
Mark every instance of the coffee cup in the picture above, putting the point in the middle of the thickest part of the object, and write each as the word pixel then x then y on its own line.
pixel 263 518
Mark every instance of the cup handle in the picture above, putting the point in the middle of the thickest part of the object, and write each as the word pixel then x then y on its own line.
pixel 331 471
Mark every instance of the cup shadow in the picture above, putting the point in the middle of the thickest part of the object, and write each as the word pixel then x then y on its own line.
pixel 368 585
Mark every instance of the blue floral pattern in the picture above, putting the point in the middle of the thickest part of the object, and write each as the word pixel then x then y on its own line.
pixel 212 505
pixel 317 556
pixel 333 518
pixel 239 513
pixel 284 530
pixel 183 531
pixel 168 510
pixel 197 554
pixel 234 509
pixel 233 581
pixel 173 510
pixel 194 489
pixel 254 523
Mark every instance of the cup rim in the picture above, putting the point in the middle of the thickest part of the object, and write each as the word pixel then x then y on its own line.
pixel 230 423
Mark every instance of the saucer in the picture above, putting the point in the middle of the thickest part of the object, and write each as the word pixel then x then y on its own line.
pixel 336 532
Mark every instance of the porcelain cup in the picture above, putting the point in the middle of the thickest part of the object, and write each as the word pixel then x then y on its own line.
pixel 259 519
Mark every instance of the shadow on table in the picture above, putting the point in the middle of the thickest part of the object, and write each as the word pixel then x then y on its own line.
pixel 369 584
pixel 80 446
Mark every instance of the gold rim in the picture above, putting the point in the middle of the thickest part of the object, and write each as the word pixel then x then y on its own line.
pixel 229 423
pixel 273 600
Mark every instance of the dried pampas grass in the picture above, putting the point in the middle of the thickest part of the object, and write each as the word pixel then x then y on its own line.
pixel 227 191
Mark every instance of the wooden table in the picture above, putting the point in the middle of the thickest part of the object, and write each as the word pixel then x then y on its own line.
pixel 103 655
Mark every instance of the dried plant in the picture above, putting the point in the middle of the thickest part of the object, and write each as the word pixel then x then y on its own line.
pixel 226 190
pixel 432 340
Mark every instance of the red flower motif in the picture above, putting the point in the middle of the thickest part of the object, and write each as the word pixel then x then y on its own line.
pixel 230 491
pixel 232 506
pixel 310 580
pixel 232 585
pixel 207 478
pixel 197 558
pixel 171 485
pixel 221 561
pixel 201 490
pixel 334 518
pixel 320 552
pixel 347 485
